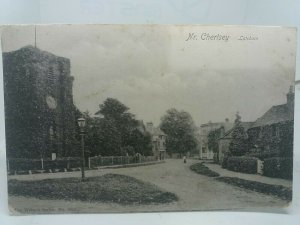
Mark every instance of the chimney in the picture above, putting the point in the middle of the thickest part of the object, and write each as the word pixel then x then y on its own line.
pixel 149 127
pixel 290 100
pixel 226 125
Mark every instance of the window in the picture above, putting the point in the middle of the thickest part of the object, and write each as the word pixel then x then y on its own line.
pixel 277 132
pixel 204 149
pixel 51 76
pixel 273 130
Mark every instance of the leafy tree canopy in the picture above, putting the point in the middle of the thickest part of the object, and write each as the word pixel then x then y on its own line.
pixel 180 130
pixel 116 133
pixel 213 137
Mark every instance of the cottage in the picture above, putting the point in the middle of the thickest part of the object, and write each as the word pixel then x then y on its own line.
pixel 272 134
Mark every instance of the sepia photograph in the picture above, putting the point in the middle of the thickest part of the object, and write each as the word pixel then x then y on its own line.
pixel 148 118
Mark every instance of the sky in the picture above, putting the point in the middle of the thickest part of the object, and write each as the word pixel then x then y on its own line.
pixel 154 68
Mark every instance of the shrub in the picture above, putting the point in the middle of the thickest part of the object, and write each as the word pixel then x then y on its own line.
pixel 278 167
pixel 224 162
pixel 242 164
pixel 203 170
pixel 280 191
pixel 216 158
pixel 36 164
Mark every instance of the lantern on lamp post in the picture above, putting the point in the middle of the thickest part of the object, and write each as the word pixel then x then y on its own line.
pixel 82 124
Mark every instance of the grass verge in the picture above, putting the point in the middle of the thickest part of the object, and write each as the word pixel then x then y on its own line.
pixel 280 191
pixel 108 188
pixel 203 170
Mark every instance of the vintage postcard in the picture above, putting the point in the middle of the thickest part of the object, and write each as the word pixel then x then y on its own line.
pixel 148 118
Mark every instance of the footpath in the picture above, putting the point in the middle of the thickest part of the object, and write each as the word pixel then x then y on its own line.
pixel 251 177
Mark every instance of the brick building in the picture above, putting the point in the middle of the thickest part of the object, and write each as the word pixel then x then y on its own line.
pixel 39 109
pixel 158 138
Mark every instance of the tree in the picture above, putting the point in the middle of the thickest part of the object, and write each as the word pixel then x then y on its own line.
pixel 141 142
pixel 213 137
pixel 110 138
pixel 239 144
pixel 118 114
pixel 117 132
pixel 180 130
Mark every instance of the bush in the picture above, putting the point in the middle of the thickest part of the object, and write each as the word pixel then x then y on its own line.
pixel 203 170
pixel 224 162
pixel 278 167
pixel 24 164
pixel 36 164
pixel 242 164
pixel 216 158
pixel 280 191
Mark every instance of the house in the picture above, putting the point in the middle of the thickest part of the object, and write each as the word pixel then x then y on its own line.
pixel 272 134
pixel 226 138
pixel 205 129
pixel 158 141
pixel 39 109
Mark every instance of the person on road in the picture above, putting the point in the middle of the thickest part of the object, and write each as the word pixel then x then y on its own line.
pixel 184 159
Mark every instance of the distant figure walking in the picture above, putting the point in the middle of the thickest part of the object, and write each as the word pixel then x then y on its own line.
pixel 184 159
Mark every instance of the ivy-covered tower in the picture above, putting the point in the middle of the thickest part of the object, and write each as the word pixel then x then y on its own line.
pixel 39 109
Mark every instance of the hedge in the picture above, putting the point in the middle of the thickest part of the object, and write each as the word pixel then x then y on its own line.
pixel 278 167
pixel 203 170
pixel 242 164
pixel 263 155
pixel 280 191
pixel 36 164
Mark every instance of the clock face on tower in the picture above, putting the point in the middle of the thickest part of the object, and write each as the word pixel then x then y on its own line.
pixel 51 102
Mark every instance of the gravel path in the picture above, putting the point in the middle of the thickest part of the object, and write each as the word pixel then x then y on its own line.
pixel 195 192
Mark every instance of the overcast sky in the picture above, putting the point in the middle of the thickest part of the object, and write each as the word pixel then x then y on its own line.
pixel 153 68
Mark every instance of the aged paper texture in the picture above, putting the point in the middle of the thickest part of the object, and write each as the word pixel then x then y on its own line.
pixel 148 118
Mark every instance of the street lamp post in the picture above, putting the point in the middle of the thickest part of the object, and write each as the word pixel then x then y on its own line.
pixel 81 124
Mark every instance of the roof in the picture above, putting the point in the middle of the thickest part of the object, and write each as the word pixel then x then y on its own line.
pixel 141 126
pixel 245 125
pixel 212 124
pixel 155 131
pixel 275 114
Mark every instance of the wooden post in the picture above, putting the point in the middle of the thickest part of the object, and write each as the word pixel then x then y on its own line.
pixel 112 160
pixel 89 162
